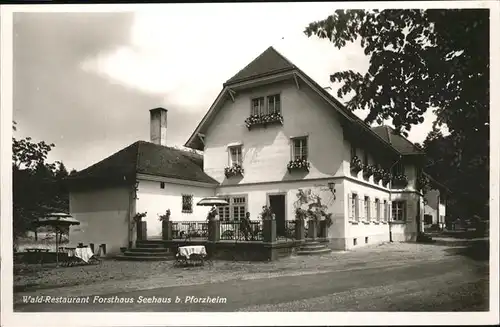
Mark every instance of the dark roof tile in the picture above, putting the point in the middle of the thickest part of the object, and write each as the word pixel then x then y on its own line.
pixel 268 62
pixel 151 159
pixel 399 142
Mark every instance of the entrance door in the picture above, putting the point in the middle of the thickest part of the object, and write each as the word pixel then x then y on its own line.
pixel 277 204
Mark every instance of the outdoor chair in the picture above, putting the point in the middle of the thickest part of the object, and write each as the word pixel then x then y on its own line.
pixel 96 258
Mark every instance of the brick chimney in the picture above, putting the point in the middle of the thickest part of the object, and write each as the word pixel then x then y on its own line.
pixel 158 126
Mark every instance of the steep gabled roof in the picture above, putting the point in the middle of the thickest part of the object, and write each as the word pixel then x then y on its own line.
pixel 147 158
pixel 268 62
pixel 399 142
pixel 271 62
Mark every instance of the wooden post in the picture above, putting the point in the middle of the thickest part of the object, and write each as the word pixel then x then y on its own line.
pixel 166 230
pixel 323 229
pixel 299 229
pixel 269 230
pixel 312 229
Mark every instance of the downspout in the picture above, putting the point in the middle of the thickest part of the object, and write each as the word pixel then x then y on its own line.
pixel 390 199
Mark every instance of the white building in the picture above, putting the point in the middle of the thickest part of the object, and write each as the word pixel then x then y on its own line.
pixel 268 116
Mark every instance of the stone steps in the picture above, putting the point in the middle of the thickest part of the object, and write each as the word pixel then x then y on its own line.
pixel 313 248
pixel 150 250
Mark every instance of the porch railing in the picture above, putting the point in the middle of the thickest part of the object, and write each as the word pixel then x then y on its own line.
pixel 189 229
pixel 289 230
pixel 235 231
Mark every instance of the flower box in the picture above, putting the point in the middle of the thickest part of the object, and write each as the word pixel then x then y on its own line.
pixel 422 182
pixel 298 164
pixel 386 177
pixel 234 170
pixel 378 174
pixel 356 164
pixel 400 181
pixel 368 170
pixel 264 120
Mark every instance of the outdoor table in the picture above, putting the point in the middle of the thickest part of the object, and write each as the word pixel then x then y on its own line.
pixel 192 253
pixel 84 253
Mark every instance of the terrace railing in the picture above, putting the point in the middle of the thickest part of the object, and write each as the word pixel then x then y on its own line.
pixel 189 229
pixel 234 231
pixel 289 230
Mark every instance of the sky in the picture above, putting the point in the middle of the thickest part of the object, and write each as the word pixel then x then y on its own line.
pixel 86 81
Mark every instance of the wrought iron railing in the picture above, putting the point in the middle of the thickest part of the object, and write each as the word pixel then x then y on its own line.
pixel 289 230
pixel 236 231
pixel 189 229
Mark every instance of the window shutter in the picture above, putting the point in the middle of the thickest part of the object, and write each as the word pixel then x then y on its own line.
pixel 359 210
pixel 350 214
pixel 405 212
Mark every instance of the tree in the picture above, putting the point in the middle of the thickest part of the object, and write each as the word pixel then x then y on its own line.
pixel 421 59
pixel 37 185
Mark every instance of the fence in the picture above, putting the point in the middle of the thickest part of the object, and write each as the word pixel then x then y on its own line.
pixel 234 230
pixel 189 229
pixel 288 231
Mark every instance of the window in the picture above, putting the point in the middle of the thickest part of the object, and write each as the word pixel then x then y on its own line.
pixel 365 158
pixel 367 208
pixel 354 207
pixel 386 211
pixel 235 155
pixel 162 184
pixel 398 210
pixel 427 219
pixel 239 208
pixel 366 240
pixel 236 209
pixel 353 151
pixel 224 213
pixel 377 209
pixel 300 148
pixel 258 106
pixel 273 104
pixel 355 241
pixel 187 203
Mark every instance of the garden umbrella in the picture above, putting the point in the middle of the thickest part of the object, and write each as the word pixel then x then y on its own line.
pixel 57 220
pixel 212 201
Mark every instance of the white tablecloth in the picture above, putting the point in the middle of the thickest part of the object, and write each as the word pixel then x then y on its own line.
pixel 83 253
pixel 196 249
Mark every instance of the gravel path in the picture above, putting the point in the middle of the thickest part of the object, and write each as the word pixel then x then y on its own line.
pixel 118 276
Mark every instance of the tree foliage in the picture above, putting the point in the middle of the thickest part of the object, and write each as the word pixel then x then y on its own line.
pixel 38 186
pixel 422 59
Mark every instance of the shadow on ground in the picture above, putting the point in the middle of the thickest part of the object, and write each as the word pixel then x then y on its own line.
pixel 478 250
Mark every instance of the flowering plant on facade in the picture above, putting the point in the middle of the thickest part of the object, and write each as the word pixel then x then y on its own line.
pixel 235 169
pixel 368 170
pixel 356 164
pixel 266 213
pixel 400 180
pixel 423 182
pixel 138 217
pixel 386 177
pixel 378 173
pixel 274 117
pixel 165 216
pixel 299 163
